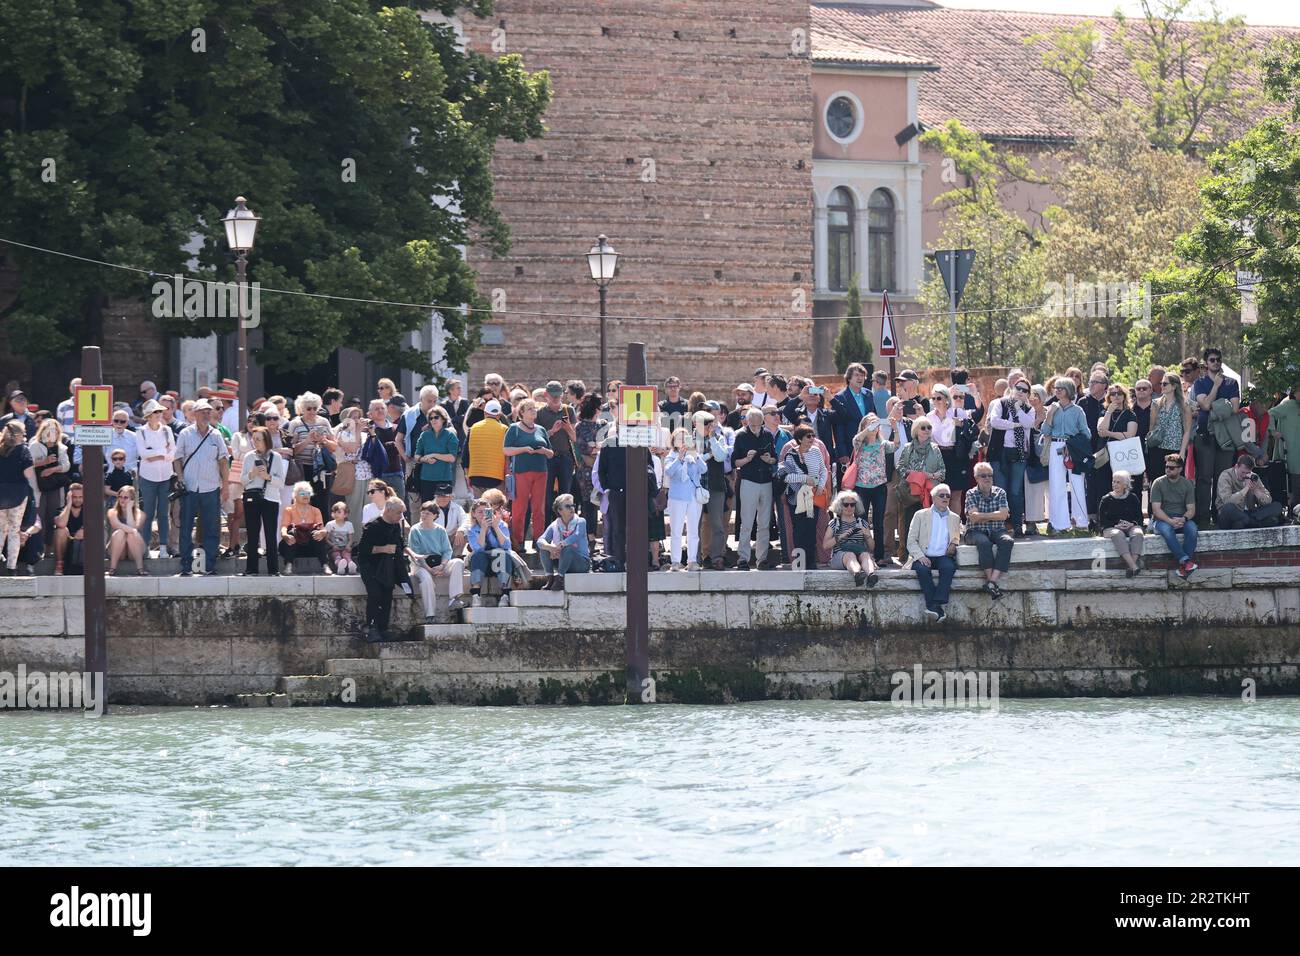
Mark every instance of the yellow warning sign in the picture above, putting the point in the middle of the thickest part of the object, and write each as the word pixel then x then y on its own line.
pixel 639 404
pixel 93 404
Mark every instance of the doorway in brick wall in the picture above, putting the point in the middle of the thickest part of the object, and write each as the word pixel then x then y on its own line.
pixel 292 382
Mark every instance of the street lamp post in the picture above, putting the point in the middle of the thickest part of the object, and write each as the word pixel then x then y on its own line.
pixel 603 261
pixel 241 230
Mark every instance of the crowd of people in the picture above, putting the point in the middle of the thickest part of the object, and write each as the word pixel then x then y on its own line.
pixel 474 493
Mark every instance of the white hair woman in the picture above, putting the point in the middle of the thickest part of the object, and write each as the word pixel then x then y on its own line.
pixel 1120 516
pixel 849 539
pixel 312 440
pixel 303 530
pixel 17 479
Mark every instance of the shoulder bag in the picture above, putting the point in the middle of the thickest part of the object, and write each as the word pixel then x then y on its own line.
pixel 178 488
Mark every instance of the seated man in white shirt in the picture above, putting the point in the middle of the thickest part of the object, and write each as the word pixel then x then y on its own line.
pixel 450 517
pixel 932 544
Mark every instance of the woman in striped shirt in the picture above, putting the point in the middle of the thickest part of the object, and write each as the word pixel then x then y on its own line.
pixel 849 540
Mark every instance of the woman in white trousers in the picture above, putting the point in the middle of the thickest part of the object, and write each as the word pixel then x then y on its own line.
pixel 1064 419
pixel 686 472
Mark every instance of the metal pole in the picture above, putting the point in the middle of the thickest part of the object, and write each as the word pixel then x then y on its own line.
pixel 241 268
pixel 604 368
pixel 637 525
pixel 952 318
pixel 92 470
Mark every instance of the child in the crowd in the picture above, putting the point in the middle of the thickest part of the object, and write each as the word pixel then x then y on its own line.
pixel 338 536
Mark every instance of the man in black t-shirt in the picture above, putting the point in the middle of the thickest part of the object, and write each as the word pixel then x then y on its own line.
pixel 674 406
pixel 559 420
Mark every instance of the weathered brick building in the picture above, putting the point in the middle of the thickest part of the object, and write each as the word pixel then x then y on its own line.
pixel 681 131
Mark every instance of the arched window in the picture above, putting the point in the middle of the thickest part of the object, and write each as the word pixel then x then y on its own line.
pixel 880 241
pixel 839 238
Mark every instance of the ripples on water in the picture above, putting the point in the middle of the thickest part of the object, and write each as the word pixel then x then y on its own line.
pixel 1153 781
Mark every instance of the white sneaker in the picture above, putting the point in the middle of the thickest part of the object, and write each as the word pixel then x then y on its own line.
pixel 163 553
pixel 342 566
pixel 693 566
pixel 352 567
pixel 288 568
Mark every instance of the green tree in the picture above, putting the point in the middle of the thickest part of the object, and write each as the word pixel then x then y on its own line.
pixel 1250 221
pixel 851 343
pixel 1007 272
pixel 126 129
pixel 1187 73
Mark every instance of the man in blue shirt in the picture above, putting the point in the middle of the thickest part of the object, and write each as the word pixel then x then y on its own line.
pixel 880 393
pixel 1211 460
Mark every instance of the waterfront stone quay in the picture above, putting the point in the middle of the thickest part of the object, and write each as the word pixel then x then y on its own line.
pixel 1070 624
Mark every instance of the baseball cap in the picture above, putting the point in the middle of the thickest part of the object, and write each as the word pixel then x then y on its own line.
pixel 907 374
pixel 492 408
pixel 202 406
pixel 554 388
pixel 744 387
pixel 759 371
pixel 713 406
pixel 442 488
pixel 17 393
pixel 397 400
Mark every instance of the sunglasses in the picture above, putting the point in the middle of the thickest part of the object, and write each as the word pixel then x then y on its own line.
pixel 566 507
pixel 1172 467
pixel 943 494
pixel 1021 388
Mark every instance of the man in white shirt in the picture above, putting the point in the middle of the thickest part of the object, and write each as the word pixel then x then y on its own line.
pixel 156 445
pixel 932 543
pixel 66 413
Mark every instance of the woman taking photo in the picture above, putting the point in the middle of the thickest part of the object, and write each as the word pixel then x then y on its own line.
pixel 262 474
pixel 527 446
pixel 488 545
pixel 1120 516
pixel 849 540
pixel 53 468
pixel 124 521
pixel 17 477
pixel 802 471
pixel 870 484
pixel 686 474
pixel 352 434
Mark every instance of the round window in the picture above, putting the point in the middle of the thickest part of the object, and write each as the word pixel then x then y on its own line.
pixel 841 118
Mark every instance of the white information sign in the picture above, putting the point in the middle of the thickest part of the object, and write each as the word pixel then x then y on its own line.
pixel 94 434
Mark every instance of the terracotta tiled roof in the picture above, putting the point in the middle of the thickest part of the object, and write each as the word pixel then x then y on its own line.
pixel 832 44
pixel 988 77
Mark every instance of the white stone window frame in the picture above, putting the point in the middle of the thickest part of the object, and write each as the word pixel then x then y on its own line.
pixel 859 115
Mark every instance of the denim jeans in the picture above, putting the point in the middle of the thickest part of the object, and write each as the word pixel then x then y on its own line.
pixel 153 502
pixel 1170 534
pixel 570 561
pixel 1010 477
pixel 206 505
pixel 947 567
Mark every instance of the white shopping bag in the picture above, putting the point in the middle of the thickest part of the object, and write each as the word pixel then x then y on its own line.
pixel 1127 455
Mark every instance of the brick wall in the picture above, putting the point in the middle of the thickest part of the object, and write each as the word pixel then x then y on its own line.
pixel 725 227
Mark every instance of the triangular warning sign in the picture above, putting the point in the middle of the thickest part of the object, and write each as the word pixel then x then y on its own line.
pixel 888 340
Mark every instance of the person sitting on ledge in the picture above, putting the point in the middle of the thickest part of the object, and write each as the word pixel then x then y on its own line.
pixel 987 511
pixel 1244 502
pixel 303 530
pixel 488 544
pixel 563 545
pixel 848 537
pixel 1120 516
pixel 431 557
pixel 1173 505
pixel 932 540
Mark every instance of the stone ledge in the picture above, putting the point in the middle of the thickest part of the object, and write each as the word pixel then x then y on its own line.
pixel 1055 550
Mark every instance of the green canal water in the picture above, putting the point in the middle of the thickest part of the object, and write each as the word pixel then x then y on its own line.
pixel 1075 782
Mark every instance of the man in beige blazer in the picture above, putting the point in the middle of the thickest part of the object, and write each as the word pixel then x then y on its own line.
pixel 932 541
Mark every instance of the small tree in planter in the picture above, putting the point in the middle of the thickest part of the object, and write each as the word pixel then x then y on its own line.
pixel 851 343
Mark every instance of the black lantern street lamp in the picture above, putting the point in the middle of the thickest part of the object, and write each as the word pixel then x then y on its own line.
pixel 603 260
pixel 241 230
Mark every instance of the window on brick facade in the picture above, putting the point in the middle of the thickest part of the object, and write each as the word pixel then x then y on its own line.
pixel 881 243
pixel 839 238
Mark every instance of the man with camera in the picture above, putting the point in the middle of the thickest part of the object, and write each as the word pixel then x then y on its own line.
pixel 1244 502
